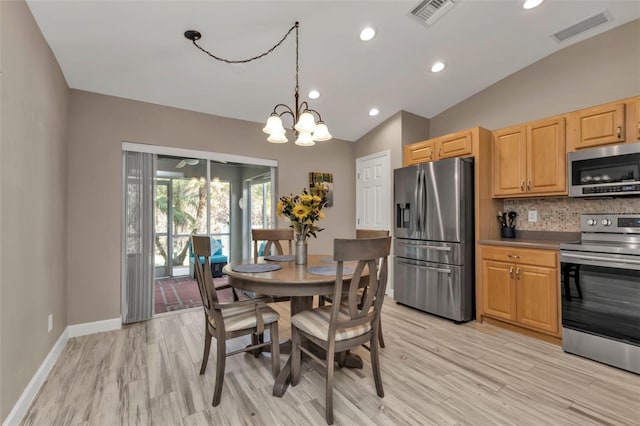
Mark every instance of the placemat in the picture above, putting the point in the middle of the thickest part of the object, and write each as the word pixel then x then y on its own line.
pixel 256 267
pixel 328 270
pixel 330 260
pixel 280 258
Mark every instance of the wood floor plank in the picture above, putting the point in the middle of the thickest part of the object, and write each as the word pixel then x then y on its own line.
pixel 434 372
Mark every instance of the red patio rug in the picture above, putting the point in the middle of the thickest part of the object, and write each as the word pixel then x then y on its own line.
pixel 173 294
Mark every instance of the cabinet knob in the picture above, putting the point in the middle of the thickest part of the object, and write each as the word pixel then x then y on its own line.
pixel 619 132
pixel 522 186
pixel 517 273
pixel 529 186
pixel 513 256
pixel 511 272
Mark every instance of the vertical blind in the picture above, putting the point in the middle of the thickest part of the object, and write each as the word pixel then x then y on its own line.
pixel 137 236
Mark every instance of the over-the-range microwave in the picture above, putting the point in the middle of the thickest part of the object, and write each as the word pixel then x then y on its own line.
pixel 605 172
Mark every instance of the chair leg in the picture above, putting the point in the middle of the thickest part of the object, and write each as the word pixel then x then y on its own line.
pixel 295 356
pixel 380 338
pixel 375 364
pixel 275 349
pixel 329 383
pixel 207 346
pixel 220 364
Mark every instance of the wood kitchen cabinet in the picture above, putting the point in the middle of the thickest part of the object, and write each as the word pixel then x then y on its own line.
pixel 520 287
pixel 600 125
pixel 611 123
pixel 633 121
pixel 530 159
pixel 420 152
pixel 458 144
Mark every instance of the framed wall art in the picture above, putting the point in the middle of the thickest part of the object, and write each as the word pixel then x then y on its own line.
pixel 322 184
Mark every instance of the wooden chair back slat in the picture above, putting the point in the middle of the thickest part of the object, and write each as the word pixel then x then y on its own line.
pixel 274 239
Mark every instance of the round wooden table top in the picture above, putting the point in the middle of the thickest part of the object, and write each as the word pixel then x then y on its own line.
pixel 291 280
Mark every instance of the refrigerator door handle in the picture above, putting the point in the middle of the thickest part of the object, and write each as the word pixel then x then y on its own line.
pixel 430 268
pixel 425 208
pixel 424 246
pixel 415 217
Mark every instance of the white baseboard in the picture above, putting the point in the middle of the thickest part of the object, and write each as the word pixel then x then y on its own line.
pixel 24 402
pixel 28 395
pixel 94 327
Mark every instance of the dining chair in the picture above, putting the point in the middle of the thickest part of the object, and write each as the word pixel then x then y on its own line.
pixel 352 321
pixel 273 239
pixel 364 233
pixel 226 321
pixel 274 242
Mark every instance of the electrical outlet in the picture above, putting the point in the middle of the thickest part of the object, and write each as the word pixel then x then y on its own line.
pixel 50 322
pixel 533 215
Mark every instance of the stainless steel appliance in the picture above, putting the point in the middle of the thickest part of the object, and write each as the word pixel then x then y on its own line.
pixel 604 172
pixel 601 290
pixel 434 244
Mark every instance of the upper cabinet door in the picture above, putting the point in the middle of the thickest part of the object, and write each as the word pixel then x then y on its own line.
pixel 547 158
pixel 634 122
pixel 509 161
pixel 419 152
pixel 600 125
pixel 456 145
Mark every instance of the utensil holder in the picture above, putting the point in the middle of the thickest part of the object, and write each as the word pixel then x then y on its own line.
pixel 508 232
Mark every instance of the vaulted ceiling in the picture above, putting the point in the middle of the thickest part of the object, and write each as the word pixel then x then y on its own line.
pixel 136 50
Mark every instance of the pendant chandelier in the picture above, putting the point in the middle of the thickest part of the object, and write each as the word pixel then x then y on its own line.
pixel 307 129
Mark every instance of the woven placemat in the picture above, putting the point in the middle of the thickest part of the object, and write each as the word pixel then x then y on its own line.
pixel 256 267
pixel 328 270
pixel 280 258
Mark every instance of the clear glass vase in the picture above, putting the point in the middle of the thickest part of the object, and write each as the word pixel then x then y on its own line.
pixel 301 250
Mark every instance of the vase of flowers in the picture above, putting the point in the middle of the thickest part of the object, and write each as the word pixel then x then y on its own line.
pixel 303 211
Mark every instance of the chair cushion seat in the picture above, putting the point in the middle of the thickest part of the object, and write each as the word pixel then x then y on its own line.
pixel 243 317
pixel 316 323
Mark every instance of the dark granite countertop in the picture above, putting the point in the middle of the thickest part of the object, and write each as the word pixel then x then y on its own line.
pixel 535 239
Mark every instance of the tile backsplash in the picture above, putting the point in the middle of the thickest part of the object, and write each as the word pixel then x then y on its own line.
pixel 563 214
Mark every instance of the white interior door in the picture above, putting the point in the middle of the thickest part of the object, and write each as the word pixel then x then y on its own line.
pixel 373 191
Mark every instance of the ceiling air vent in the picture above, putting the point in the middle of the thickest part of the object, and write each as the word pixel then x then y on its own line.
pixel 429 11
pixel 581 27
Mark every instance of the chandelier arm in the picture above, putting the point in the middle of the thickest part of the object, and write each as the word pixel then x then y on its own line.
pixel 194 35
pixel 315 112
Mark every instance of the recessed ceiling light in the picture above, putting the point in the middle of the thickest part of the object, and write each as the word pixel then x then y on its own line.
pixel 437 67
pixel 314 94
pixel 530 4
pixel 373 112
pixel 367 34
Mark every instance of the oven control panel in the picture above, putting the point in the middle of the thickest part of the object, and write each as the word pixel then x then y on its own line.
pixel 610 223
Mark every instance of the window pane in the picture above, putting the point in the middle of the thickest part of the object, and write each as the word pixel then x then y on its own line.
pixel 220 208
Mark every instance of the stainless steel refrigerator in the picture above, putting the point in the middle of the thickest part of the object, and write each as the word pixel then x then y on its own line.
pixel 434 238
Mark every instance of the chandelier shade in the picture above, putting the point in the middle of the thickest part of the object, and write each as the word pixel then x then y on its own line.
pixel 308 130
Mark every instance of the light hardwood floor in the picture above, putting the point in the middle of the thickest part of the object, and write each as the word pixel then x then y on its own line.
pixel 434 373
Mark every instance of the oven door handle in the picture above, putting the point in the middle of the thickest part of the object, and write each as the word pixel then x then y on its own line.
pixel 600 259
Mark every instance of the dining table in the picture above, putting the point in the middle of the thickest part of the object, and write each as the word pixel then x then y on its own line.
pixel 299 282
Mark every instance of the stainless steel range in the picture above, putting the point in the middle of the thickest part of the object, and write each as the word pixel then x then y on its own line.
pixel 601 291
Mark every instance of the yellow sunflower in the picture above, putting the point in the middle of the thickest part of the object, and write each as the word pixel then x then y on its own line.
pixel 306 198
pixel 280 208
pixel 300 211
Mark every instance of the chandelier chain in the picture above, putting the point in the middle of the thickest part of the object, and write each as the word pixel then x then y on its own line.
pixel 243 61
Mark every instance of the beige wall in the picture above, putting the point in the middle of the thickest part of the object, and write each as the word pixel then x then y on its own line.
pixel 99 124
pixel 34 105
pixel 598 70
